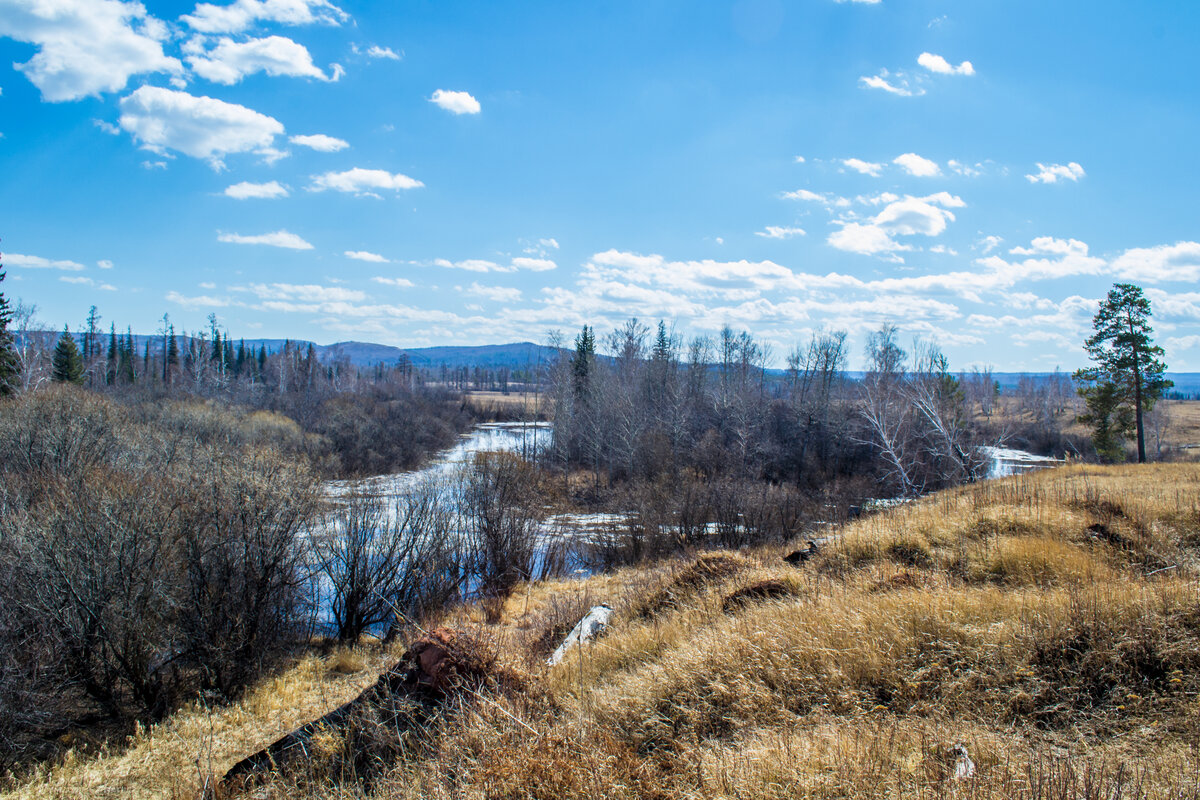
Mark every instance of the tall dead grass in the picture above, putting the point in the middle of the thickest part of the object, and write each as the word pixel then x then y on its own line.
pixel 1047 623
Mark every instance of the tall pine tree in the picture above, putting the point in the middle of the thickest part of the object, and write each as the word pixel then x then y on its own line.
pixel 1128 376
pixel 68 361
pixel 9 364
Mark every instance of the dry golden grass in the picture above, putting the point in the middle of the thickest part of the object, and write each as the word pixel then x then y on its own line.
pixel 513 403
pixel 1184 425
pixel 176 758
pixel 1049 623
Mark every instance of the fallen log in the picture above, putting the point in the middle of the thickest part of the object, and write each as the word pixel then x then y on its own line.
pixel 402 701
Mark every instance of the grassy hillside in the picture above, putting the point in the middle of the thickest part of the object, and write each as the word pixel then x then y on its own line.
pixel 1049 623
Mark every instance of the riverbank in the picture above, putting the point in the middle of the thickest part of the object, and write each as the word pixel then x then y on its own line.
pixel 1045 622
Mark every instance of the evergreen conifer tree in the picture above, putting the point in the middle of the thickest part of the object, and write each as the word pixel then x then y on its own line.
pixel 9 364
pixel 68 361
pixel 171 362
pixel 581 364
pixel 1128 376
pixel 127 370
pixel 110 372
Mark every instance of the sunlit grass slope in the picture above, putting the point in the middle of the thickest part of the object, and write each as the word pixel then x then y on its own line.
pixel 1049 623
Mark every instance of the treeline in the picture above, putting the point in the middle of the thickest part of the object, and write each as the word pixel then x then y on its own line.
pixel 643 407
pixel 355 421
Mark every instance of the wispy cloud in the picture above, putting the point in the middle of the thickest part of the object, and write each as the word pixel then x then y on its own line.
pixel 1053 173
pixel 37 262
pixel 864 167
pixel 363 255
pixel 279 238
pixel 261 191
pixel 363 181
pixel 776 232
pixel 320 142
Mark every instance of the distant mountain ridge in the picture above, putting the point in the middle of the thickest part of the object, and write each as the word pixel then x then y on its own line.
pixel 517 355
pixel 368 354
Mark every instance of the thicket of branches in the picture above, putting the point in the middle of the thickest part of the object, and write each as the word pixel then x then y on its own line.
pixel 145 555
pixel 651 408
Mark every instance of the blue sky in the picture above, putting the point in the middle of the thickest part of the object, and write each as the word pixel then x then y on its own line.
pixel 420 173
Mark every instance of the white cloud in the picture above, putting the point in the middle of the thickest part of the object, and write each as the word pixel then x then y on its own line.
pixel 941 66
pixel 534 264
pixel 945 199
pixel 242 14
pixel 799 159
pixel 104 263
pixel 455 102
pixel 989 243
pixel 899 84
pixel 883 198
pixel 864 167
pixel 86 48
pixel 473 265
pixel 776 232
pixel 914 164
pixel 1182 342
pixel 907 216
pixel 1168 262
pixel 400 283
pixel 230 61
pixel 1052 173
pixel 363 255
pixel 1048 244
pixel 37 262
pixel 201 301
pixel 363 181
pixel 279 238
pixel 855 237
pixel 207 285
pixel 375 51
pixel 85 281
pixel 551 243
pixel 805 194
pixel 262 191
pixel 320 142
pixel 966 170
pixel 499 294
pixel 914 215
pixel 201 127
pixel 308 292
pixel 1047 259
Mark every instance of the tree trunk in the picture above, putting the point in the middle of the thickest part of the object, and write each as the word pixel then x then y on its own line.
pixel 1137 401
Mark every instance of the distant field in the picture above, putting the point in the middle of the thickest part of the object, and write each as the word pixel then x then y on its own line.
pixel 1183 427
pixel 511 403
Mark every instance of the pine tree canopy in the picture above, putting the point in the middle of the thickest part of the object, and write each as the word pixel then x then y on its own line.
pixel 1127 377
pixel 9 364
pixel 67 363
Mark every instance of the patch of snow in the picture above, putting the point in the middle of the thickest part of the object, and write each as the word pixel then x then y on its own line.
pixel 1005 461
